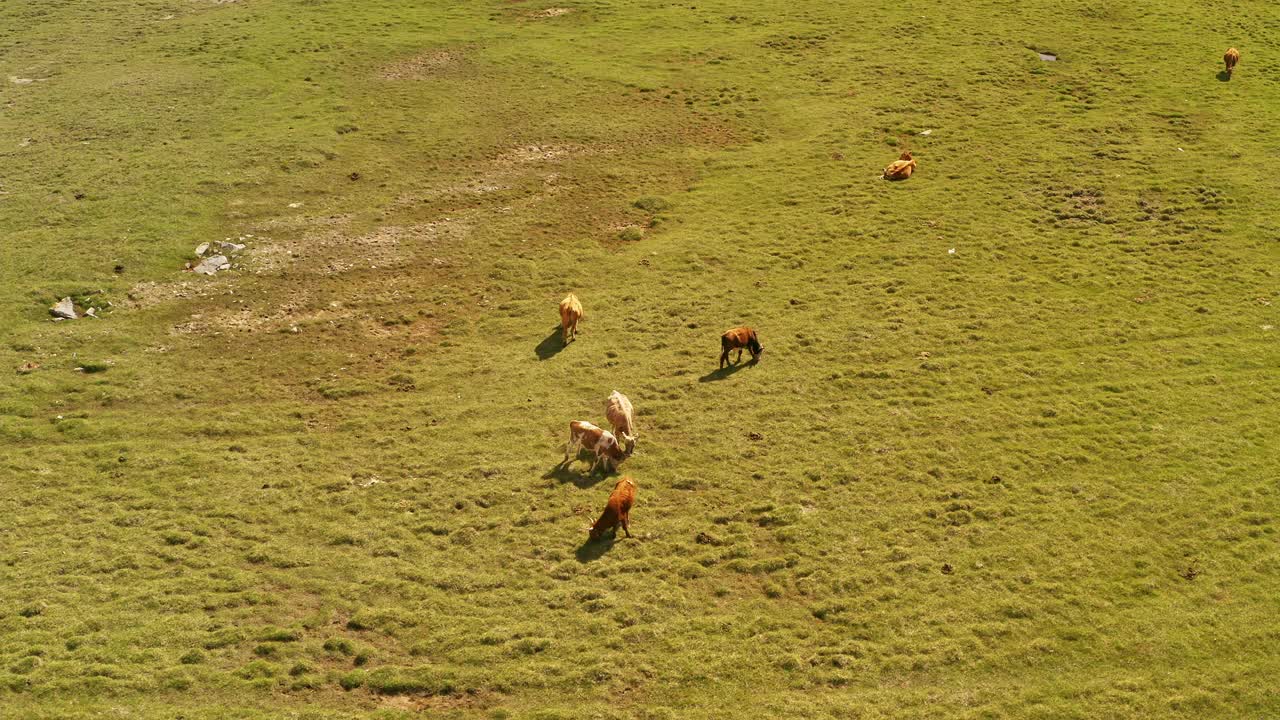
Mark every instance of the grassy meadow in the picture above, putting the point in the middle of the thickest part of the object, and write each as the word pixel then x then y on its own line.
pixel 1011 450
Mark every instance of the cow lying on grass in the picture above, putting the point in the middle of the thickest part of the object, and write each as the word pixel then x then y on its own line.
pixel 901 168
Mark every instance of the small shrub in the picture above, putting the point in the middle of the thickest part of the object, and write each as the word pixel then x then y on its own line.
pixel 278 635
pixel 191 657
pixel 631 233
pixel 338 645
pixel 257 669
pixel 397 681
pixel 352 680
pixel 651 204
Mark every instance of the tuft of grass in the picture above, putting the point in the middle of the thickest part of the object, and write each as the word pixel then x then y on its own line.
pixel 651 204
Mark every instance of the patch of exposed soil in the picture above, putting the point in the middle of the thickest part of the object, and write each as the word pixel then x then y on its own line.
pixel 421 66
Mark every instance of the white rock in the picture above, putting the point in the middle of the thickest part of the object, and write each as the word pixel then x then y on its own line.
pixel 231 247
pixel 202 248
pixel 952 251
pixel 91 312
pixel 209 266
pixel 926 132
pixel 65 309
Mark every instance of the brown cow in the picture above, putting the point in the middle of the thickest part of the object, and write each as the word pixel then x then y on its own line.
pixel 583 434
pixel 1231 58
pixel 570 314
pixel 618 410
pixel 737 339
pixel 901 168
pixel 617 511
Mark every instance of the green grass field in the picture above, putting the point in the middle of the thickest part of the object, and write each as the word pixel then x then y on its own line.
pixel 1035 477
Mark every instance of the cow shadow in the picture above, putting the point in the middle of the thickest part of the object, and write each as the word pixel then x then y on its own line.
pixel 592 550
pixel 726 371
pixel 563 472
pixel 550 345
pixel 1224 76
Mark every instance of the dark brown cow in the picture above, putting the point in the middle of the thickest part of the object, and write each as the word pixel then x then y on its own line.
pixel 1231 58
pixel 617 511
pixel 737 339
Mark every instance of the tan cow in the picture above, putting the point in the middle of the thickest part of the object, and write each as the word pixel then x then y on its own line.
pixel 618 410
pixel 1231 58
pixel 583 434
pixel 901 168
pixel 570 314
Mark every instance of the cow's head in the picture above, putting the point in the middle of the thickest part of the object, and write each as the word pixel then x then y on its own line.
pixel 754 346
pixel 630 442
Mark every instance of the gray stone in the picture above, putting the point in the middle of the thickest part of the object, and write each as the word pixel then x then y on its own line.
pixel 202 248
pixel 209 266
pixel 230 247
pixel 91 312
pixel 64 309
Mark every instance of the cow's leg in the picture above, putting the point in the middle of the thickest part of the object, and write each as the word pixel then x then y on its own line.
pixel 724 358
pixel 626 522
pixel 735 362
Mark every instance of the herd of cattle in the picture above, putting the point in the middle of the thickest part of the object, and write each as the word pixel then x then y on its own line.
pixel 611 447
pixel 608 451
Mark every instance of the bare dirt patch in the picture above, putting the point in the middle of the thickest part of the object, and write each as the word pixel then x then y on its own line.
pixel 423 65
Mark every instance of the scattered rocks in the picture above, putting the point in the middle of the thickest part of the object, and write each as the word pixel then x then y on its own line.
pixel 28 367
pixel 211 265
pixel 64 309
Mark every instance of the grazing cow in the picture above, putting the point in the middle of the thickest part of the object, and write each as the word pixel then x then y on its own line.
pixel 1231 58
pixel 737 339
pixel 617 511
pixel 570 314
pixel 901 168
pixel 583 434
pixel 618 410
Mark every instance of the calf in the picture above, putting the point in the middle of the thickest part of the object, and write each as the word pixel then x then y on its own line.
pixel 570 314
pixel 617 511
pixel 737 339
pixel 901 168
pixel 1231 58
pixel 618 410
pixel 583 434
